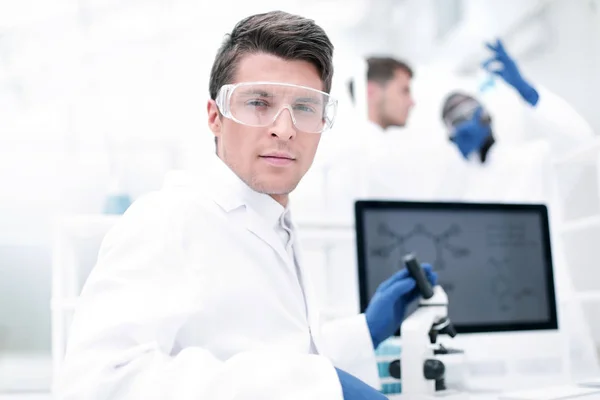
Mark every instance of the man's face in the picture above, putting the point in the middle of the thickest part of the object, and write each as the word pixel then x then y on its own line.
pixel 393 100
pixel 274 158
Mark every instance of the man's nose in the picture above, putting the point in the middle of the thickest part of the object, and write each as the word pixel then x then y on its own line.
pixel 283 126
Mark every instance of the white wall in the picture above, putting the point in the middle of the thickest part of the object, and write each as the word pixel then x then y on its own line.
pixel 570 65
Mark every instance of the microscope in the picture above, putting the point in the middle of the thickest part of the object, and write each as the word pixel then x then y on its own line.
pixel 422 373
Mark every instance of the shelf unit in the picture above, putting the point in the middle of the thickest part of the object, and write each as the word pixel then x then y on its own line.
pixel 581 224
pixel 576 238
pixel 68 230
pixel 587 154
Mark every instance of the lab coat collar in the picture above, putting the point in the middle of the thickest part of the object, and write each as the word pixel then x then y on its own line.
pixel 375 128
pixel 232 192
pixel 371 136
pixel 262 212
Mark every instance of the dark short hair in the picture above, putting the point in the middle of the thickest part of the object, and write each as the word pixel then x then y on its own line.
pixel 284 35
pixel 381 70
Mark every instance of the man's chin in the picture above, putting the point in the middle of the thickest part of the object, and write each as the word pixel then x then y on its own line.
pixel 401 124
pixel 397 124
pixel 275 190
pixel 279 191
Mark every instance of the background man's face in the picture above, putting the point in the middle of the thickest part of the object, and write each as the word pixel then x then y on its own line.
pixel 393 100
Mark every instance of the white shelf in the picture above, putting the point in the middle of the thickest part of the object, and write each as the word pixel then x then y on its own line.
pixel 581 224
pixel 25 372
pixel 586 155
pixel 588 296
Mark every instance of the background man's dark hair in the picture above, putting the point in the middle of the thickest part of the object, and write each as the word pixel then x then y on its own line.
pixel 284 35
pixel 381 70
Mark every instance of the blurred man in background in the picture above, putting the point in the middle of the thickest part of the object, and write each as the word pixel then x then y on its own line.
pixel 389 96
pixel 388 161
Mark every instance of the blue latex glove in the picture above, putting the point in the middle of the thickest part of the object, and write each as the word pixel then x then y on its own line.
pixel 470 135
pixel 355 389
pixel 386 309
pixel 509 71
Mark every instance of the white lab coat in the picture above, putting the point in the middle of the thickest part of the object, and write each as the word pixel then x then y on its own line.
pixel 339 175
pixel 386 165
pixel 511 174
pixel 552 120
pixel 195 297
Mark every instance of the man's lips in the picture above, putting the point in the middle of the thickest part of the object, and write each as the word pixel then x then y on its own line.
pixel 278 159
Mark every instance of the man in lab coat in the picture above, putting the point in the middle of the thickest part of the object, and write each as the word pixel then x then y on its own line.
pixel 361 165
pixel 389 98
pixel 199 291
pixel 386 162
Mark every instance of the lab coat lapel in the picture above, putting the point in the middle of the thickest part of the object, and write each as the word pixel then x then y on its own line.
pixel 228 195
pixel 256 224
pixel 309 296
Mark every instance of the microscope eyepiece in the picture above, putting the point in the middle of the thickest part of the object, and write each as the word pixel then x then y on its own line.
pixel 415 270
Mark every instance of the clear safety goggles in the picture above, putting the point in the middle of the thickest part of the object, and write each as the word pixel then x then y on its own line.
pixel 259 104
pixel 460 113
pixel 464 112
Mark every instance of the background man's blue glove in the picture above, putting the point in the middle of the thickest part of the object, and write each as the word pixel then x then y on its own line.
pixel 386 309
pixel 470 135
pixel 355 389
pixel 509 71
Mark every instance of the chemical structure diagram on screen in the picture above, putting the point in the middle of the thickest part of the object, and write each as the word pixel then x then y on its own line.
pixel 441 242
pixel 503 285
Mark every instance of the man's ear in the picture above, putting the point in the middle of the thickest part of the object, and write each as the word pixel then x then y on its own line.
pixel 214 118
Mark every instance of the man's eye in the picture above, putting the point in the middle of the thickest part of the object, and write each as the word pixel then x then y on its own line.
pixel 304 108
pixel 257 103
